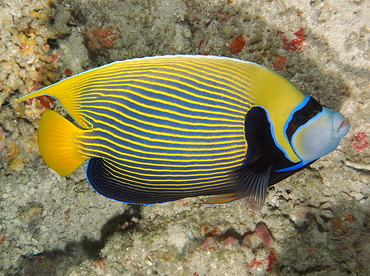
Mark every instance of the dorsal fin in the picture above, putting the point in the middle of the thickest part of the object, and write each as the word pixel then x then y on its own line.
pixel 67 92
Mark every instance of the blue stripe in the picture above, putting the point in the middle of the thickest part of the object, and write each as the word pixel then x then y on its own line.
pixel 218 106
pixel 298 107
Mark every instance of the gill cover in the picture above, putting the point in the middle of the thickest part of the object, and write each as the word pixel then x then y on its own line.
pixel 319 135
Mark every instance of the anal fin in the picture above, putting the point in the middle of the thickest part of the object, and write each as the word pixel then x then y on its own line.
pixel 107 179
pixel 225 198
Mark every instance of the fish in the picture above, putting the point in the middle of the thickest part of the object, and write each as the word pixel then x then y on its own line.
pixel 163 128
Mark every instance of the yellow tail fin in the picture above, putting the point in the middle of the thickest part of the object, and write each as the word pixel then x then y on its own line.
pixel 58 144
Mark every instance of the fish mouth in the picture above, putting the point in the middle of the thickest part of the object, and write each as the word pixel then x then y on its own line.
pixel 343 124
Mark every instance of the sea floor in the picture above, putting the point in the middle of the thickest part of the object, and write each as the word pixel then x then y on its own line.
pixel 313 223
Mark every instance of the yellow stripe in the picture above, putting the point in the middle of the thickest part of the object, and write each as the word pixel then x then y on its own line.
pixel 171 95
pixel 216 78
pixel 160 126
pixel 119 172
pixel 174 173
pixel 161 109
pixel 97 138
pixel 225 198
pixel 126 75
pixel 188 92
pixel 89 152
pixel 202 186
pixel 94 148
pixel 214 64
pixel 211 142
pixel 150 115
pixel 170 169
pixel 234 143
pixel 217 69
pixel 243 76
pixel 182 187
pixel 242 96
pixel 166 102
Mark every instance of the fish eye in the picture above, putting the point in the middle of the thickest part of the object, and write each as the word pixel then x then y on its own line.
pixel 300 117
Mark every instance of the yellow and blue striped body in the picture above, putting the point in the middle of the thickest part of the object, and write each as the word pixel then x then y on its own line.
pixel 176 129
pixel 164 128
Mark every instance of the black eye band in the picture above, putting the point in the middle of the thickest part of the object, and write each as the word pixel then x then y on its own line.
pixel 302 116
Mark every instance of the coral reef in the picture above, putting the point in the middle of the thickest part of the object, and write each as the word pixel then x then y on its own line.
pixel 314 223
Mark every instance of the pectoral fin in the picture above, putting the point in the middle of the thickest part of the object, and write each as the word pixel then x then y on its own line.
pixel 251 182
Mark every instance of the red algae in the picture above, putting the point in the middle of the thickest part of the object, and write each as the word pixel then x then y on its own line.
pixel 254 263
pixel 279 64
pixel 45 101
pixel 360 141
pixel 295 44
pixel 237 45
pixel 100 39
pixel 271 260
pixel 68 72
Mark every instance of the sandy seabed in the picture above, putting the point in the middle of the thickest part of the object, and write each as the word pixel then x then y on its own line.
pixel 318 218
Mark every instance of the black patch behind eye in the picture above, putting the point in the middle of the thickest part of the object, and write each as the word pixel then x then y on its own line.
pixel 302 116
pixel 263 154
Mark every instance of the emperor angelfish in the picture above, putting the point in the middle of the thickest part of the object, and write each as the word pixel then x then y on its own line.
pixel 163 128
